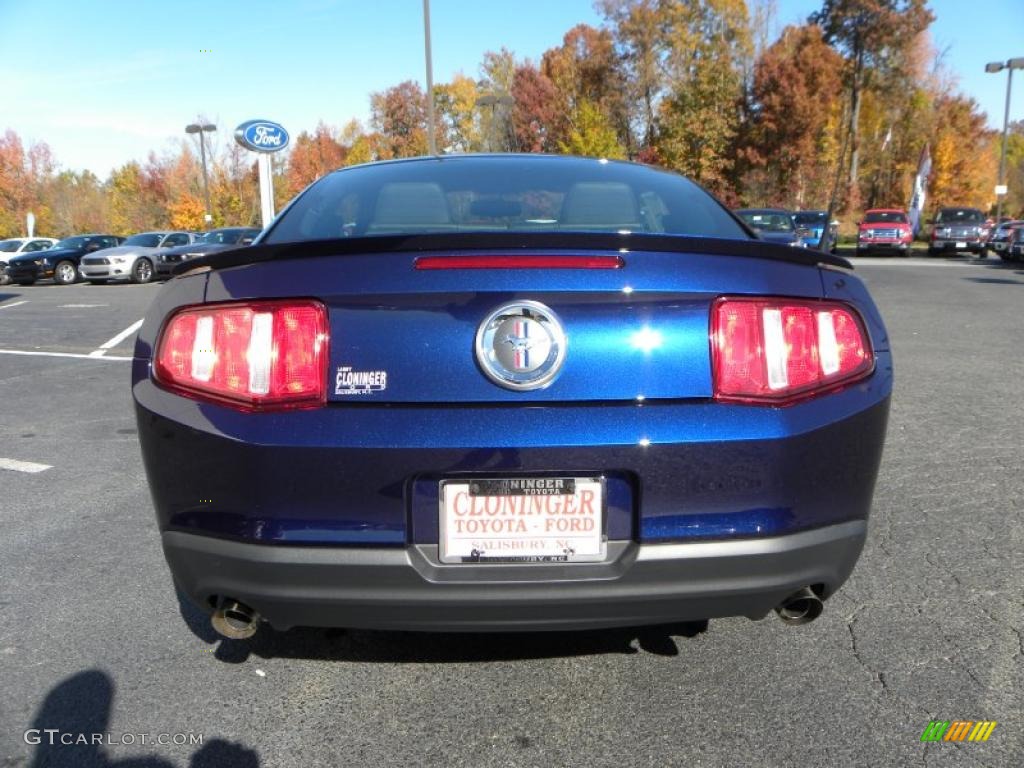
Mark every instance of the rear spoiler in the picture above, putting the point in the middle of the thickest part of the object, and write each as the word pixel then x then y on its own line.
pixel 513 241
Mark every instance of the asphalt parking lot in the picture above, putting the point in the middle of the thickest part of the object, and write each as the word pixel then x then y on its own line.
pixel 930 626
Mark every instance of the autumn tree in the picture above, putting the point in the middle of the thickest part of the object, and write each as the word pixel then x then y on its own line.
pixel 22 179
pixel 497 74
pixel 963 154
pixel 586 74
pixel 455 105
pixel 639 30
pixel 399 114
pixel 699 118
pixel 537 114
pixel 1014 203
pixel 77 202
pixel 312 156
pixel 873 35
pixel 797 84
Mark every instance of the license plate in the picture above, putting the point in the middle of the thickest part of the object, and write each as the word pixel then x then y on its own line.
pixel 961 245
pixel 522 519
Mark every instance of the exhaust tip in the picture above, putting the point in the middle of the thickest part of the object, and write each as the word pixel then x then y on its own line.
pixel 234 620
pixel 801 607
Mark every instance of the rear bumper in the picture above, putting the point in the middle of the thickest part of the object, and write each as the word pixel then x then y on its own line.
pixel 883 246
pixel 408 589
pixel 967 244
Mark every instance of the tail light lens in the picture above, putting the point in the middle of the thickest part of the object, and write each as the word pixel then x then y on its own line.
pixel 267 355
pixel 780 350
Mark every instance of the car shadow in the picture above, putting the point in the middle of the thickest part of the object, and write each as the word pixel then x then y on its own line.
pixel 315 643
pixel 993 280
pixel 391 647
pixel 72 728
pixel 5 296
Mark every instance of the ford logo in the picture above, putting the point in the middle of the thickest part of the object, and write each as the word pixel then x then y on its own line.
pixel 261 136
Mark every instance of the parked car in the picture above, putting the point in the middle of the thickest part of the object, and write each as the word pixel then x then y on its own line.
pixel 773 225
pixel 1015 246
pixel 479 393
pixel 999 238
pixel 210 242
pixel 135 259
pixel 61 262
pixel 959 230
pixel 15 246
pixel 884 230
pixel 815 222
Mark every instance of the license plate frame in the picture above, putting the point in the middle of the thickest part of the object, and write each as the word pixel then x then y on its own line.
pixel 537 546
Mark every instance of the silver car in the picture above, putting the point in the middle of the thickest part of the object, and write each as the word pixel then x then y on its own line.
pixel 134 259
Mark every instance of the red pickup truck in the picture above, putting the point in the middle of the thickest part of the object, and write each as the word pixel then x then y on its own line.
pixel 884 230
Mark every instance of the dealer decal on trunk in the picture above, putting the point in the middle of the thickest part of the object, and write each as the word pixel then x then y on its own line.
pixel 349 382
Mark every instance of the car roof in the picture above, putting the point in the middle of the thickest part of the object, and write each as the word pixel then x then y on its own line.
pixel 782 211
pixel 884 210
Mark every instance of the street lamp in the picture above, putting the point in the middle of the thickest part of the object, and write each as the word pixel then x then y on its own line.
pixel 494 101
pixel 202 128
pixel 992 67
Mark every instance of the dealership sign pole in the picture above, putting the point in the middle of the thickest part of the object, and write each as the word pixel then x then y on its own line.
pixel 263 137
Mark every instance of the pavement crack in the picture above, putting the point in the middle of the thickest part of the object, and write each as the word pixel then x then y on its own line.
pixel 944 568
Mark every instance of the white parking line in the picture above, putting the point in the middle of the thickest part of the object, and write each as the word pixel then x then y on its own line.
pixel 23 466
pixel 13 304
pixel 82 306
pixel 111 343
pixel 33 353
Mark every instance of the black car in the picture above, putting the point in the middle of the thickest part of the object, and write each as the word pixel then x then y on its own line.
pixel 211 242
pixel 60 262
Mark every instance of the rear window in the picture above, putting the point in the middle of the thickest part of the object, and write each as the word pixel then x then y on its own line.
pixel 767 221
pixel 146 240
pixel 875 217
pixel 9 246
pixel 958 215
pixel 509 194
pixel 809 218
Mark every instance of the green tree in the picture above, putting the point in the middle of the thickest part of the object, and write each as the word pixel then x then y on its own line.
pixel 591 135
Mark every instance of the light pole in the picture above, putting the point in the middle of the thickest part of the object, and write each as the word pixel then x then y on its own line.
pixel 202 128
pixel 431 140
pixel 998 66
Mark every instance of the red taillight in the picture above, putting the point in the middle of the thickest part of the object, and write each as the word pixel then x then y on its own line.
pixel 262 355
pixel 777 350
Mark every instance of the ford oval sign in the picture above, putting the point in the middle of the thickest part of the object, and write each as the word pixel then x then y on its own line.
pixel 261 136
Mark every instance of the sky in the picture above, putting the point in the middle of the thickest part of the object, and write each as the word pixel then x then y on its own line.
pixel 106 81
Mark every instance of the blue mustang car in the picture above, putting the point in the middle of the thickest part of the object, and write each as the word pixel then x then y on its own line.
pixel 510 392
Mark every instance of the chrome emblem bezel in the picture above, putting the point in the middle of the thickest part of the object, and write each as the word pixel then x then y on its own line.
pixel 497 350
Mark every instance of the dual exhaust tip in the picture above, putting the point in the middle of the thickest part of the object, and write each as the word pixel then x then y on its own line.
pixel 801 607
pixel 234 620
pixel 237 621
